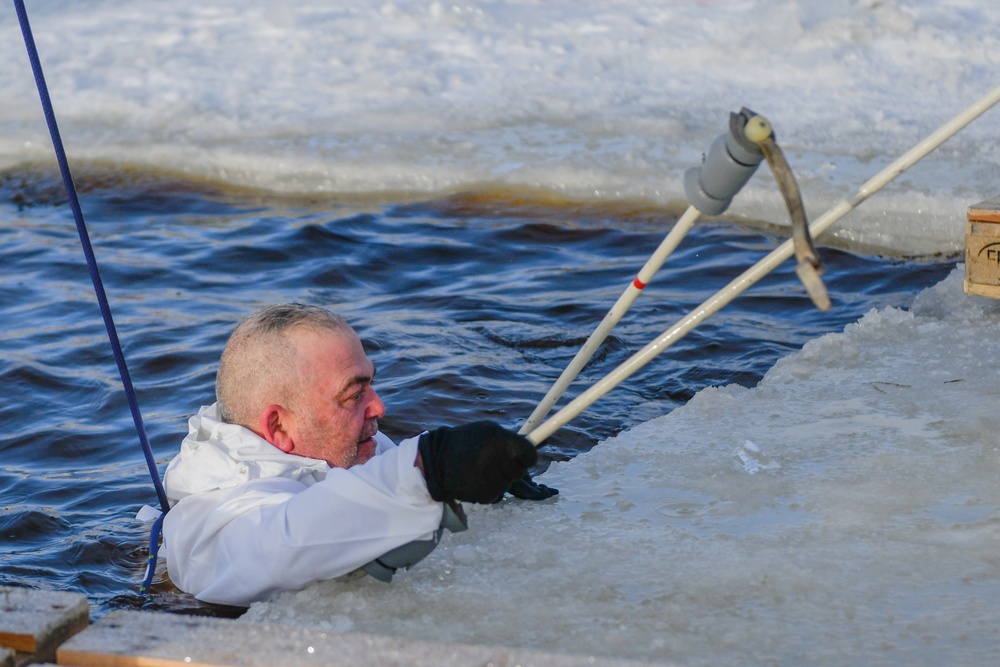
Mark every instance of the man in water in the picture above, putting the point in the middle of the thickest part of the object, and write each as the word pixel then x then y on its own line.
pixel 286 479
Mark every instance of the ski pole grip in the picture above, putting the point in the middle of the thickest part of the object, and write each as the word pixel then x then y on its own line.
pixel 730 163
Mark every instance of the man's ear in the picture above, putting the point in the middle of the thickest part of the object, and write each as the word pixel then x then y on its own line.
pixel 274 423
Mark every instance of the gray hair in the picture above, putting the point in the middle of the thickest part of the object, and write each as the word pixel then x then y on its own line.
pixel 254 369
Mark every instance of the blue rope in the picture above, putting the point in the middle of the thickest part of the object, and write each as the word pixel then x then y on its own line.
pixel 154 548
pixel 102 299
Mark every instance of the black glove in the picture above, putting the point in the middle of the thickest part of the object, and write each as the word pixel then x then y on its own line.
pixel 475 462
pixel 528 489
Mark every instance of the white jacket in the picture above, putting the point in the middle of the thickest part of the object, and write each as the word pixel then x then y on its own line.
pixel 248 520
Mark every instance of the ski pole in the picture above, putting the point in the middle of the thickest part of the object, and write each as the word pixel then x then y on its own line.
pixel 761 268
pixel 613 316
pixel 729 164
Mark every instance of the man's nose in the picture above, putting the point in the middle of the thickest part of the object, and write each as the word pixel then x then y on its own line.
pixel 376 408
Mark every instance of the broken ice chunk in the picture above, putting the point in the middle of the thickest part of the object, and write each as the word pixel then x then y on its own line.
pixel 752 460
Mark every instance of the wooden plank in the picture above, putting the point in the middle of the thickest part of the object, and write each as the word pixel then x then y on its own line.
pixel 35 622
pixel 976 289
pixel 129 638
pixel 985 211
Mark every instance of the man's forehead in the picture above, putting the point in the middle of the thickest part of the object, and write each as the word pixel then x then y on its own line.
pixel 332 351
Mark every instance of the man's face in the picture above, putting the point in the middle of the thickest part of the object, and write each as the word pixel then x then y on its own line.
pixel 335 415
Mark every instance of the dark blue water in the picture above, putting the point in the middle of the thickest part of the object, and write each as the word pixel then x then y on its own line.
pixel 469 305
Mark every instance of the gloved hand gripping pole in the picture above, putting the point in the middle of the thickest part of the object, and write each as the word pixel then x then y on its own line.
pixel 730 163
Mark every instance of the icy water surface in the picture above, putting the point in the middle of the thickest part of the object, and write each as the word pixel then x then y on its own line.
pixel 469 305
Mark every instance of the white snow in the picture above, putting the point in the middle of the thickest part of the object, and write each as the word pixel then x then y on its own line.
pixel 606 98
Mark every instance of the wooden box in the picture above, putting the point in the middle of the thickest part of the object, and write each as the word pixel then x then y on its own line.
pixel 982 249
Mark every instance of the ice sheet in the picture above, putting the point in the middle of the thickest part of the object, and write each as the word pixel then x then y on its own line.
pixel 869 537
